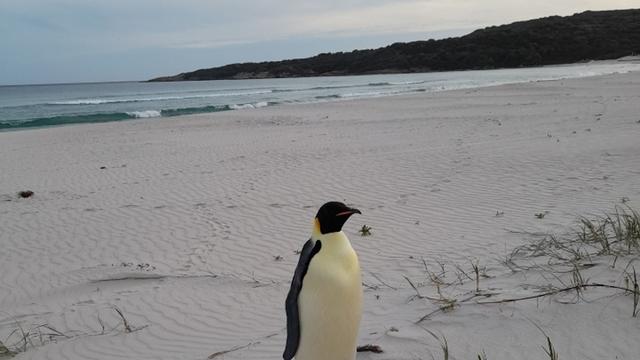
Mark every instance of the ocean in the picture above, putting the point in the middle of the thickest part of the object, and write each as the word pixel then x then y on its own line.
pixel 28 106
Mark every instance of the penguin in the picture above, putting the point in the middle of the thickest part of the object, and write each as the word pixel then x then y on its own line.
pixel 324 303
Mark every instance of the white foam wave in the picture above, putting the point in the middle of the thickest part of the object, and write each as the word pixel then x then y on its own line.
pixel 160 98
pixel 249 106
pixel 408 82
pixel 397 83
pixel 371 94
pixel 81 102
pixel 145 114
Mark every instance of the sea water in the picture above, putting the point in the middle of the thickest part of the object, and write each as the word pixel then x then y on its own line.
pixel 26 106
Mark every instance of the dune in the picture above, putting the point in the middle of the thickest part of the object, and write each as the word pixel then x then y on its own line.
pixel 189 226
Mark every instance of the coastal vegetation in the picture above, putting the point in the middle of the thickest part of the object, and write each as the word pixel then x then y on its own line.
pixel 600 252
pixel 591 35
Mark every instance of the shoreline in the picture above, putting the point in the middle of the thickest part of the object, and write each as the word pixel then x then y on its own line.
pixel 100 110
pixel 364 101
pixel 191 227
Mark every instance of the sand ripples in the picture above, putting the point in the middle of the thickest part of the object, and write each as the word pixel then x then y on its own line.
pixel 195 222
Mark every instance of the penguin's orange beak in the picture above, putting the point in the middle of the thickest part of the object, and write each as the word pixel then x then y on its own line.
pixel 349 212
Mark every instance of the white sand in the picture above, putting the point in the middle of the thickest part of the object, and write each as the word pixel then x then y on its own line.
pixel 217 204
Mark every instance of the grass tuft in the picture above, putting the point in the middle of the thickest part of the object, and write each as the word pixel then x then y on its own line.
pixel 615 234
pixel 5 352
pixel 636 293
pixel 568 257
pixel 365 230
pixel 22 339
pixel 551 352
pixel 125 323
pixel 442 340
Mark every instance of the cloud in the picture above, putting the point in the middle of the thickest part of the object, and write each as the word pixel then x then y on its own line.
pixel 120 24
pixel 203 23
pixel 61 31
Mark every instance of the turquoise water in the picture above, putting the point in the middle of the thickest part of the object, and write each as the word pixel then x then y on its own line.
pixel 27 106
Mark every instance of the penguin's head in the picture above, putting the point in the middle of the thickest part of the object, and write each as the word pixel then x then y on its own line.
pixel 332 216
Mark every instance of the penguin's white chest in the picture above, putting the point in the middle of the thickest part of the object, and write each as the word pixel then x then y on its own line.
pixel 330 302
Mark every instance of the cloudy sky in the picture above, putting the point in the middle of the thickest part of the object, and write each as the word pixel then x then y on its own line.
pixel 49 41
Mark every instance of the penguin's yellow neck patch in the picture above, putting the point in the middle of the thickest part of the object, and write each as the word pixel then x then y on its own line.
pixel 315 232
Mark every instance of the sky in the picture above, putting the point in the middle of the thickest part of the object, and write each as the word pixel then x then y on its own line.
pixel 60 41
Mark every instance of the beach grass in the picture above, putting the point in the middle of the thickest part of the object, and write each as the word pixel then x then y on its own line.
pixel 24 338
pixel 550 350
pixel 565 258
pixel 5 352
pixel 616 233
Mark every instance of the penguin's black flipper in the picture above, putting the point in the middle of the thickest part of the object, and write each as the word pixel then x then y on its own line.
pixel 309 250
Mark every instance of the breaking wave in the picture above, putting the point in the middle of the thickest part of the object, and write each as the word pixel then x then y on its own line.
pixel 159 98
pixel 145 114
pixel 119 116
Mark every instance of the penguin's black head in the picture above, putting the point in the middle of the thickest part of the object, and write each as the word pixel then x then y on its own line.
pixel 333 215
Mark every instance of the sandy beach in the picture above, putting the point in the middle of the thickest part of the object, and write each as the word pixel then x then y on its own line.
pixel 190 225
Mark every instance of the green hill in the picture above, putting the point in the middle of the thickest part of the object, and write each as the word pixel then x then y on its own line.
pixel 591 35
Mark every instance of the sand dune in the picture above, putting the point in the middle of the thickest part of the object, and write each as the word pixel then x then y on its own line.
pixel 190 225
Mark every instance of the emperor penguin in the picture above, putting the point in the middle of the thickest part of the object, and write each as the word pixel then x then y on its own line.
pixel 324 304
